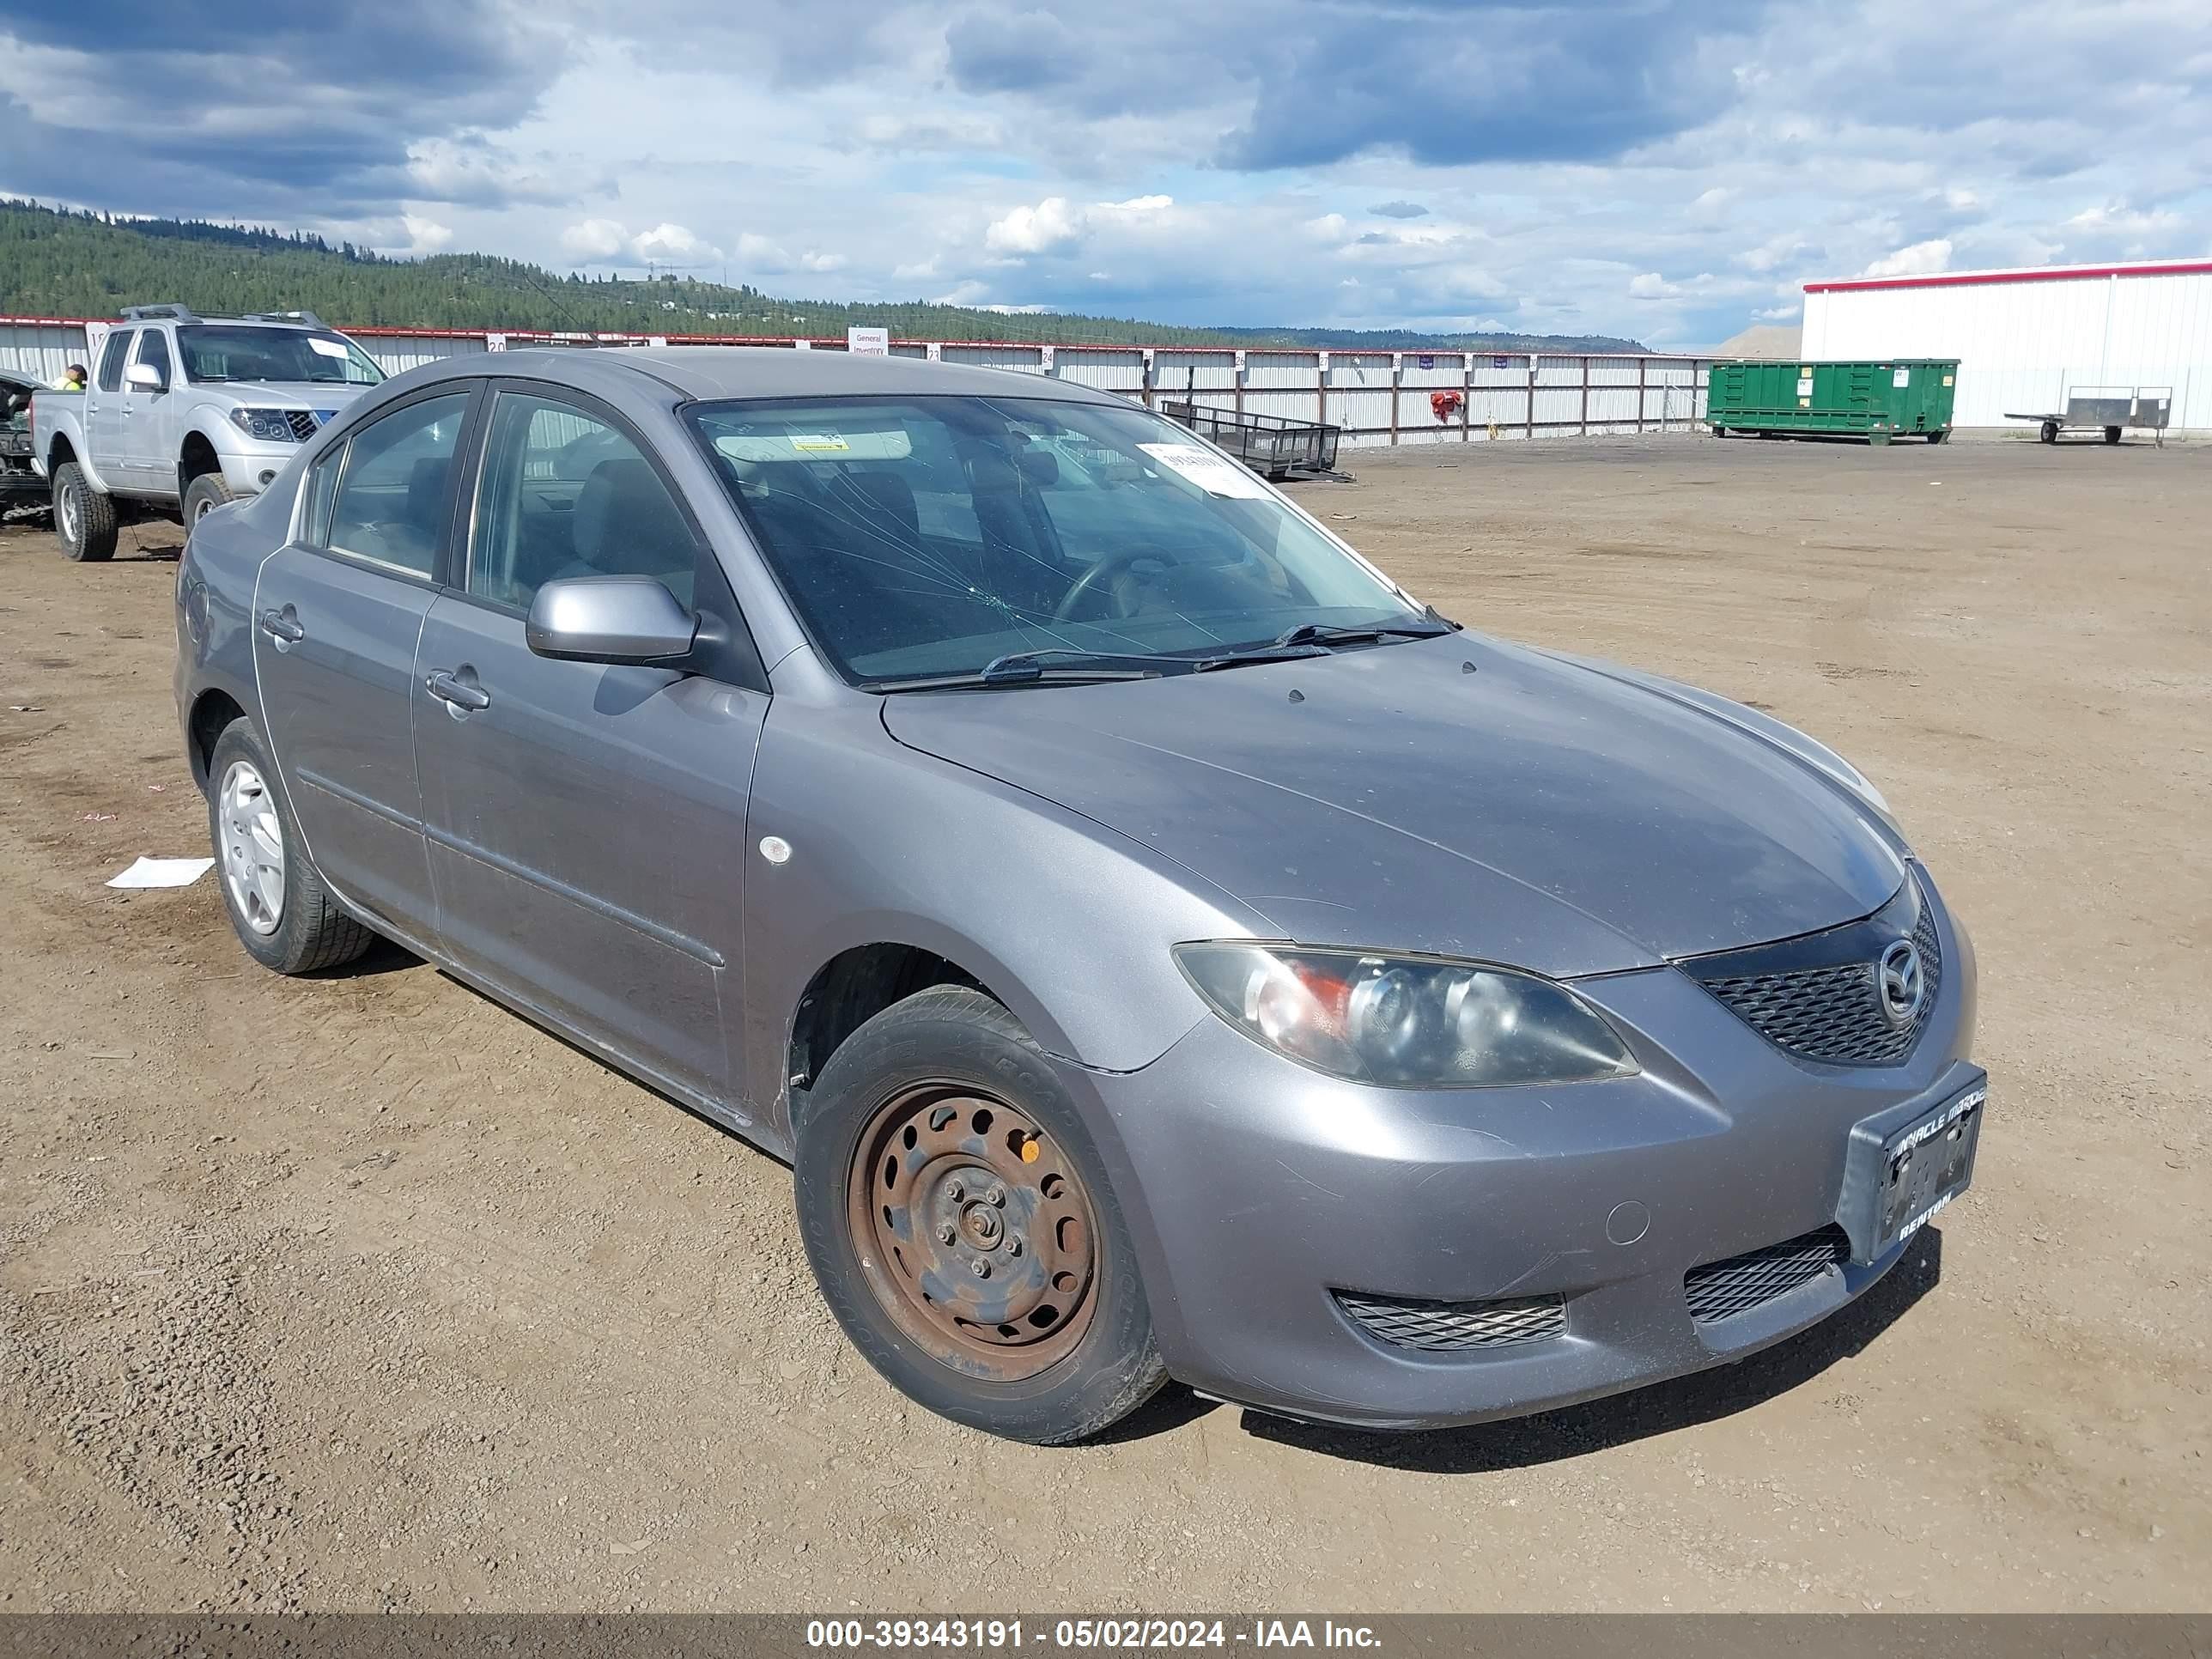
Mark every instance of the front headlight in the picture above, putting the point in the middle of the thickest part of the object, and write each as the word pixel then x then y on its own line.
pixel 1405 1021
pixel 270 426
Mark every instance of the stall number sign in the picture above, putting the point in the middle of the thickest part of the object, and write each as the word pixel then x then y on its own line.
pixel 1804 385
pixel 1428 361
pixel 1902 377
pixel 1498 363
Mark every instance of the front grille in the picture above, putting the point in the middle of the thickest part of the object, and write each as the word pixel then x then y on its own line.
pixel 1831 1012
pixel 1721 1290
pixel 303 423
pixel 1454 1327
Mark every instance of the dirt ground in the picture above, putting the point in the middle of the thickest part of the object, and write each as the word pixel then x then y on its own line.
pixel 360 1292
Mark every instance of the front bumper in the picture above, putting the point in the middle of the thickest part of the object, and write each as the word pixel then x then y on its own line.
pixel 251 469
pixel 1258 1190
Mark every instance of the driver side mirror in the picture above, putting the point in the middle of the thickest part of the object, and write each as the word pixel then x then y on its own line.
pixel 145 377
pixel 617 620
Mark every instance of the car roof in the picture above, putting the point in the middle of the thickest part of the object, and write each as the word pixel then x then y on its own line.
pixel 709 371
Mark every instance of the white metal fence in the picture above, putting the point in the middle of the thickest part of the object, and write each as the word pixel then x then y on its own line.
pixel 1377 398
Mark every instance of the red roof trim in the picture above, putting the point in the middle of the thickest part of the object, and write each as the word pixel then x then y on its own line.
pixel 1985 278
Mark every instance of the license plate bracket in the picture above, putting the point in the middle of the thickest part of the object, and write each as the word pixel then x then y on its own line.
pixel 1905 1165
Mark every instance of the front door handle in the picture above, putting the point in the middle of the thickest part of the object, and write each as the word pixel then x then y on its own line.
pixel 464 697
pixel 284 627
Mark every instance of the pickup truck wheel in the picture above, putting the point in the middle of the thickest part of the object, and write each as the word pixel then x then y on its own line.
pixel 282 913
pixel 961 1230
pixel 204 494
pixel 84 518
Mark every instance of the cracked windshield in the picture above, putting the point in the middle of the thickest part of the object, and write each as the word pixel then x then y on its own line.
pixel 932 536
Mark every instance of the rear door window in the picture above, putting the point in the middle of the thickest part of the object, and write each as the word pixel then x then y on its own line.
pixel 112 358
pixel 390 504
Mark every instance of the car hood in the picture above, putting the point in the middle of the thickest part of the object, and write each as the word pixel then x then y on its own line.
pixel 1456 795
pixel 313 394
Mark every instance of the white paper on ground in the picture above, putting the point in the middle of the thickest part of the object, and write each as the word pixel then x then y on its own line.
pixel 1209 472
pixel 163 872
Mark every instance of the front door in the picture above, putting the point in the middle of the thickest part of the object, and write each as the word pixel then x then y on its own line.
pixel 145 461
pixel 338 614
pixel 586 822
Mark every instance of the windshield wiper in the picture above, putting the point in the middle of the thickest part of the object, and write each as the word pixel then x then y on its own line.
pixel 1428 628
pixel 1054 665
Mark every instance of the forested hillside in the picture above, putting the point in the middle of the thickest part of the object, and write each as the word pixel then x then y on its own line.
pixel 75 264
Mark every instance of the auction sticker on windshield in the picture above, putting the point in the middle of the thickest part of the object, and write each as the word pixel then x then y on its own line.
pixel 1212 473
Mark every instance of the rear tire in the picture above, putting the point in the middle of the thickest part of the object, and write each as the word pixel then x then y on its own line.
pixel 84 518
pixel 281 912
pixel 204 494
pixel 2050 433
pixel 911 1094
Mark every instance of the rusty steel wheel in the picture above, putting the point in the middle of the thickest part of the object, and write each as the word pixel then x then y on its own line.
pixel 962 1226
pixel 975 1231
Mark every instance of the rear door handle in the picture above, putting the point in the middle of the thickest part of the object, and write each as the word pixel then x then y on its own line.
pixel 284 627
pixel 463 696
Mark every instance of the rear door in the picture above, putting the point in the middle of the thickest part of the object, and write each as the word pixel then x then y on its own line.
pixel 107 412
pixel 586 824
pixel 338 613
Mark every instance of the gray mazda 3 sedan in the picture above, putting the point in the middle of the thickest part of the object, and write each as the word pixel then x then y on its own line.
pixel 1161 946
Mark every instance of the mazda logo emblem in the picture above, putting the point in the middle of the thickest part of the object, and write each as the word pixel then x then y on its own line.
pixel 1902 985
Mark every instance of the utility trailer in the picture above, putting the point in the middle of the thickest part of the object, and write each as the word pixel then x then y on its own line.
pixel 1274 445
pixel 2111 410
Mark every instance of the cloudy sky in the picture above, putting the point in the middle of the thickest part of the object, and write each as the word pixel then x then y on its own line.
pixel 1669 172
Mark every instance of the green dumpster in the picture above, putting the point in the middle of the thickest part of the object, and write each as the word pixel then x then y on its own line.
pixel 1902 398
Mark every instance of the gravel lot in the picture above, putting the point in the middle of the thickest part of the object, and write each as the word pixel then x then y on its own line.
pixel 360 1292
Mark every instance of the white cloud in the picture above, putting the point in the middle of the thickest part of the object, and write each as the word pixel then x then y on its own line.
pixel 594 240
pixel 757 254
pixel 669 244
pixel 473 169
pixel 1920 259
pixel 821 264
pixel 1050 224
pixel 1650 285
pixel 426 236
pixel 2121 219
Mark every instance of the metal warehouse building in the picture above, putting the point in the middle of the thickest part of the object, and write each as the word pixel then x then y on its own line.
pixel 2024 337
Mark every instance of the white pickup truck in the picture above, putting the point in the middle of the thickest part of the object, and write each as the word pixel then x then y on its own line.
pixel 184 413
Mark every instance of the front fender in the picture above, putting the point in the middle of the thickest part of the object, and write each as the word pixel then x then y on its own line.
pixel 1066 921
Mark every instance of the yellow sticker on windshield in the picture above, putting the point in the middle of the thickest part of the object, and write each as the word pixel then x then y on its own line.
pixel 818 440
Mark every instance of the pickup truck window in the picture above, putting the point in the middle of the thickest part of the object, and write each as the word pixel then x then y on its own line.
pixel 391 506
pixel 224 351
pixel 112 360
pixel 153 351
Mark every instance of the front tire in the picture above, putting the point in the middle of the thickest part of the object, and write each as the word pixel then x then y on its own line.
pixel 2111 435
pixel 204 494
pixel 84 518
pixel 281 912
pixel 961 1228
